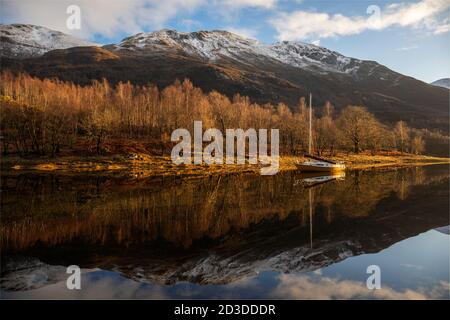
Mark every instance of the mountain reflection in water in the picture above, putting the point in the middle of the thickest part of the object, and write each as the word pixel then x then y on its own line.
pixel 218 230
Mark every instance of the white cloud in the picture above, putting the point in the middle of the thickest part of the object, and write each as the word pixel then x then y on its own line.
pixel 96 285
pixel 407 48
pixel 190 24
pixel 293 286
pixel 107 17
pixel 413 266
pixel 102 17
pixel 316 42
pixel 306 24
pixel 440 27
pixel 267 4
pixel 228 10
pixel 245 32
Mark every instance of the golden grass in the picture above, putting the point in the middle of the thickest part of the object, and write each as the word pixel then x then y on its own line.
pixel 364 161
pixel 144 165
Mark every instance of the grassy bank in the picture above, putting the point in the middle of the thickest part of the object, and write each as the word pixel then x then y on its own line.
pixel 369 161
pixel 145 165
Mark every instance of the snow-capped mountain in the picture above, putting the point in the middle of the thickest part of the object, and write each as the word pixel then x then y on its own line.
pixel 26 273
pixel 444 83
pixel 21 41
pixel 217 44
pixel 223 61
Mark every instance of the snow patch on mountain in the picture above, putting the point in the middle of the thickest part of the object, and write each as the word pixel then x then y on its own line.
pixel 444 83
pixel 221 269
pixel 22 41
pixel 305 55
pixel 29 273
pixel 217 44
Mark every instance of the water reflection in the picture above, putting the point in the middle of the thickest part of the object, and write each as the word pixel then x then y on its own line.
pixel 220 230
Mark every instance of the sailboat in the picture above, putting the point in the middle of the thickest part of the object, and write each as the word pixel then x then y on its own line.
pixel 313 179
pixel 317 164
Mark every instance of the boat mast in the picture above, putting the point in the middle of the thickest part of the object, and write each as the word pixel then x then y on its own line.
pixel 310 217
pixel 310 123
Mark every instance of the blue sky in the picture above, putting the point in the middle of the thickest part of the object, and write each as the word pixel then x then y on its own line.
pixel 408 36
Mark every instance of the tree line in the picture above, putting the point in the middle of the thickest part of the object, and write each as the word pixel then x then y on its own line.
pixel 45 116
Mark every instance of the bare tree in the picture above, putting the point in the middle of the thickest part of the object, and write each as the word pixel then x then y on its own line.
pixel 45 116
pixel 401 134
pixel 355 124
pixel 417 145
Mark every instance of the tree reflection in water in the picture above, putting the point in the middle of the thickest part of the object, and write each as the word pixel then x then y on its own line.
pixel 217 229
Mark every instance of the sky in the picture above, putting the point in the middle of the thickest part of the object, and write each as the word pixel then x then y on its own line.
pixel 408 36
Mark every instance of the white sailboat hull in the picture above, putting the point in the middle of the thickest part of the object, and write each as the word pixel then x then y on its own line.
pixel 319 166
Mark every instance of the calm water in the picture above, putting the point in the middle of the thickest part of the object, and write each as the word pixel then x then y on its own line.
pixel 288 236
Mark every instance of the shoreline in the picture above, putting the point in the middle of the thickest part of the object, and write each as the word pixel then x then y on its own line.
pixel 145 166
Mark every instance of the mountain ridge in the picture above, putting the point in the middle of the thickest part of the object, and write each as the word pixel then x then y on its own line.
pixel 212 45
pixel 444 83
pixel 222 61
pixel 28 41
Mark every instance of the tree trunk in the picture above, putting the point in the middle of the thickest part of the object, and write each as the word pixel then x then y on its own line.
pixel 356 149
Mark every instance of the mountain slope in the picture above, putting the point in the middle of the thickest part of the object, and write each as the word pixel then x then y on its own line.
pixel 216 45
pixel 228 63
pixel 22 41
pixel 444 83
